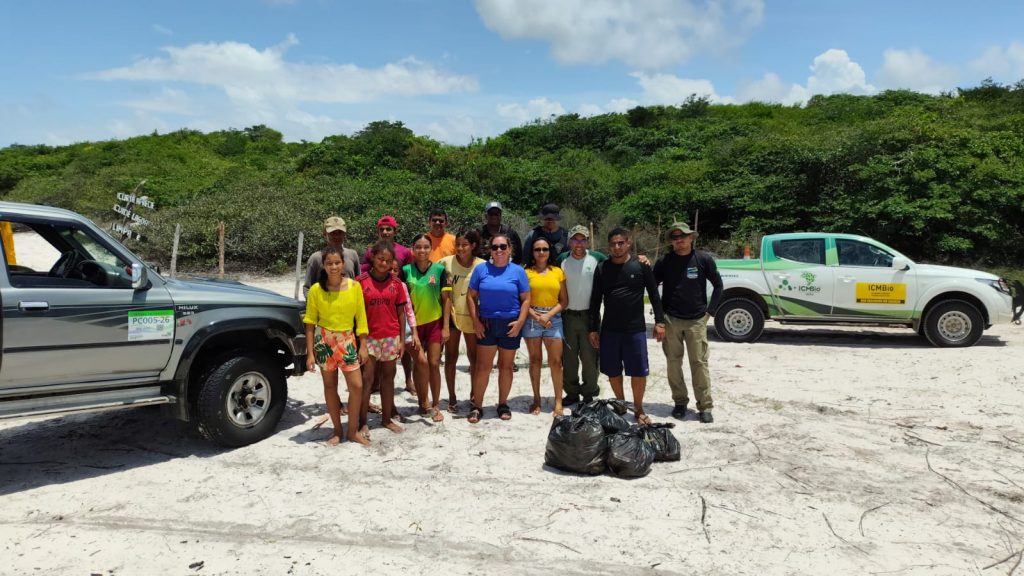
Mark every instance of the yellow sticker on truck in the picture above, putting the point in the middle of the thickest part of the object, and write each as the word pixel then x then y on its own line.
pixel 881 293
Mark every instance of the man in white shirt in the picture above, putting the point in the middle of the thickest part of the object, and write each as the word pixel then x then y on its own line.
pixel 579 265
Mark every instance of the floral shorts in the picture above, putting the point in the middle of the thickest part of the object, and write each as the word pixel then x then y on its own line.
pixel 334 350
pixel 383 349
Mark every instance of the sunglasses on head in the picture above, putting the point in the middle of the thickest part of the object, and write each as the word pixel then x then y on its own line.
pixel 499 247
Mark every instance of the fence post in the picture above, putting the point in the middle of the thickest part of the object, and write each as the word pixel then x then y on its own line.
pixel 298 266
pixel 220 233
pixel 174 250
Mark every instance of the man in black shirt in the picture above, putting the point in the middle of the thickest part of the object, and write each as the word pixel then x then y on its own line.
pixel 622 337
pixel 492 226
pixel 551 230
pixel 684 274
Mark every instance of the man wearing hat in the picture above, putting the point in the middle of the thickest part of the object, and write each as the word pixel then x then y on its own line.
pixel 492 225
pixel 550 230
pixel 335 232
pixel 387 228
pixel 684 273
pixel 578 265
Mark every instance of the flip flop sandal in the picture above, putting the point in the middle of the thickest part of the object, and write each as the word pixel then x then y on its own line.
pixel 436 415
pixel 643 419
pixel 475 415
pixel 453 406
pixel 504 412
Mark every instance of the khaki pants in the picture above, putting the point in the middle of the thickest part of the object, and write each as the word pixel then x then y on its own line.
pixel 681 337
pixel 577 351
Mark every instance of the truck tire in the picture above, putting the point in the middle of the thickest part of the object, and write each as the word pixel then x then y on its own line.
pixel 241 400
pixel 953 324
pixel 739 320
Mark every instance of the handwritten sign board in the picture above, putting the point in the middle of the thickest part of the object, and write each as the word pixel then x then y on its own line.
pixel 130 219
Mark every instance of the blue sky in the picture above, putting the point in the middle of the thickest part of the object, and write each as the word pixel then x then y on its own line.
pixel 74 71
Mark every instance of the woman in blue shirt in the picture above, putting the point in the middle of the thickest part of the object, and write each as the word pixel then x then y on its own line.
pixel 499 300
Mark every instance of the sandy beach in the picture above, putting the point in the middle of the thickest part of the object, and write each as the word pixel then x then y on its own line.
pixel 839 450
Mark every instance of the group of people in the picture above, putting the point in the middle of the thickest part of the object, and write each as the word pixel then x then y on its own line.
pixel 490 289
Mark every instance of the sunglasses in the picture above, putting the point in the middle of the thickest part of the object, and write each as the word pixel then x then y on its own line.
pixel 677 236
pixel 438 220
pixel 542 249
pixel 499 247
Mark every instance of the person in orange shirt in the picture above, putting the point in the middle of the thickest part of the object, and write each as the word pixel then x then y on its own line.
pixel 442 243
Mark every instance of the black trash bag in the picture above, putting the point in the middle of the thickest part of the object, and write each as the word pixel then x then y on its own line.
pixel 577 444
pixel 607 412
pixel 629 454
pixel 660 437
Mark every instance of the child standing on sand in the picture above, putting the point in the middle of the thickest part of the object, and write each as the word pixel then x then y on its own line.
pixel 335 316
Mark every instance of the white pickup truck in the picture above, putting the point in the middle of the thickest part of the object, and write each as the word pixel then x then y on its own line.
pixel 841 278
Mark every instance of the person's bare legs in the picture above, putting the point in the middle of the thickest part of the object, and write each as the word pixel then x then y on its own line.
pixel 505 360
pixel 554 347
pixel 387 394
pixel 421 378
pixel 484 364
pixel 369 373
pixel 407 366
pixel 471 355
pixel 333 401
pixel 533 347
pixel 451 358
pixel 616 382
pixel 354 380
pixel 639 385
pixel 434 380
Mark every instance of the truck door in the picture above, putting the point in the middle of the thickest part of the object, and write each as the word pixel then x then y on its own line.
pixel 71 319
pixel 798 278
pixel 868 286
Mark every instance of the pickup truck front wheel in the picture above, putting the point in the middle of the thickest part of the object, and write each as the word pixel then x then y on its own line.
pixel 739 320
pixel 241 400
pixel 953 324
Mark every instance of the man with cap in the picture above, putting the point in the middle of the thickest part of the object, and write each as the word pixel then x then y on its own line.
pixel 578 264
pixel 387 227
pixel 550 230
pixel 492 225
pixel 684 273
pixel 335 232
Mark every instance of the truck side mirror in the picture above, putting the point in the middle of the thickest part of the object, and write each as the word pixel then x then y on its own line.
pixel 900 263
pixel 140 280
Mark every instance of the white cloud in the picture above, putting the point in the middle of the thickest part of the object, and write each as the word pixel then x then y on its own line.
pixel 833 72
pixel 163 30
pixel 644 34
pixel 537 108
pixel 169 101
pixel 915 70
pixel 771 88
pixel 1001 64
pixel 672 90
pixel 252 77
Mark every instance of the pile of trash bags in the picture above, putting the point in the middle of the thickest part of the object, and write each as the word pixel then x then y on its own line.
pixel 597 437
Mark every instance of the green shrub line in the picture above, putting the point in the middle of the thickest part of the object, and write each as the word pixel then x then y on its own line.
pixel 940 178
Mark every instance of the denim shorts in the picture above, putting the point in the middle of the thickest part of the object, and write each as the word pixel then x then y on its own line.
pixel 496 334
pixel 534 329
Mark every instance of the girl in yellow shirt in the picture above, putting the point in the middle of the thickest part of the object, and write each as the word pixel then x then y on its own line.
pixel 548 297
pixel 335 316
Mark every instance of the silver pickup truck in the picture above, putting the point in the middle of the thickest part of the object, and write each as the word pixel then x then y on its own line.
pixel 87 325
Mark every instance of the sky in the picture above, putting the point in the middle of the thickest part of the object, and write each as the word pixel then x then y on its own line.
pixel 73 71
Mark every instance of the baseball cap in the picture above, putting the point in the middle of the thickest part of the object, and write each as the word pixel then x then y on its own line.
pixel 579 229
pixel 492 205
pixel 387 221
pixel 681 226
pixel 550 211
pixel 334 223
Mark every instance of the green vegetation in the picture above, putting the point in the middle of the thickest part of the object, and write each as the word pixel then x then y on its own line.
pixel 938 177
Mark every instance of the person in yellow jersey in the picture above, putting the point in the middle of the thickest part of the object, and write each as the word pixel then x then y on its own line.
pixel 335 317
pixel 544 320
pixel 458 268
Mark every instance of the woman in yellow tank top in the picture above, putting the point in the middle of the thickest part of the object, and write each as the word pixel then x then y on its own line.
pixel 548 297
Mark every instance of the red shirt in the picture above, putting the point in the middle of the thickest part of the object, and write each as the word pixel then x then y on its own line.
pixel 381 298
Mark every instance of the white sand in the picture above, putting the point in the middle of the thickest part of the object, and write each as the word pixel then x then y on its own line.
pixel 814 428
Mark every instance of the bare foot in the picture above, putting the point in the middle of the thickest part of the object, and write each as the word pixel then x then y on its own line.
pixel 394 427
pixel 558 411
pixel 334 440
pixel 535 407
pixel 359 438
pixel 344 411
pixel 642 418
pixel 365 431
pixel 411 391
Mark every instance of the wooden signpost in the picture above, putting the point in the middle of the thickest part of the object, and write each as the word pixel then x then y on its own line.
pixel 130 219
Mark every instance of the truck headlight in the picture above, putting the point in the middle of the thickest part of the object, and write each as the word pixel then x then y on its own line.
pixel 1001 285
